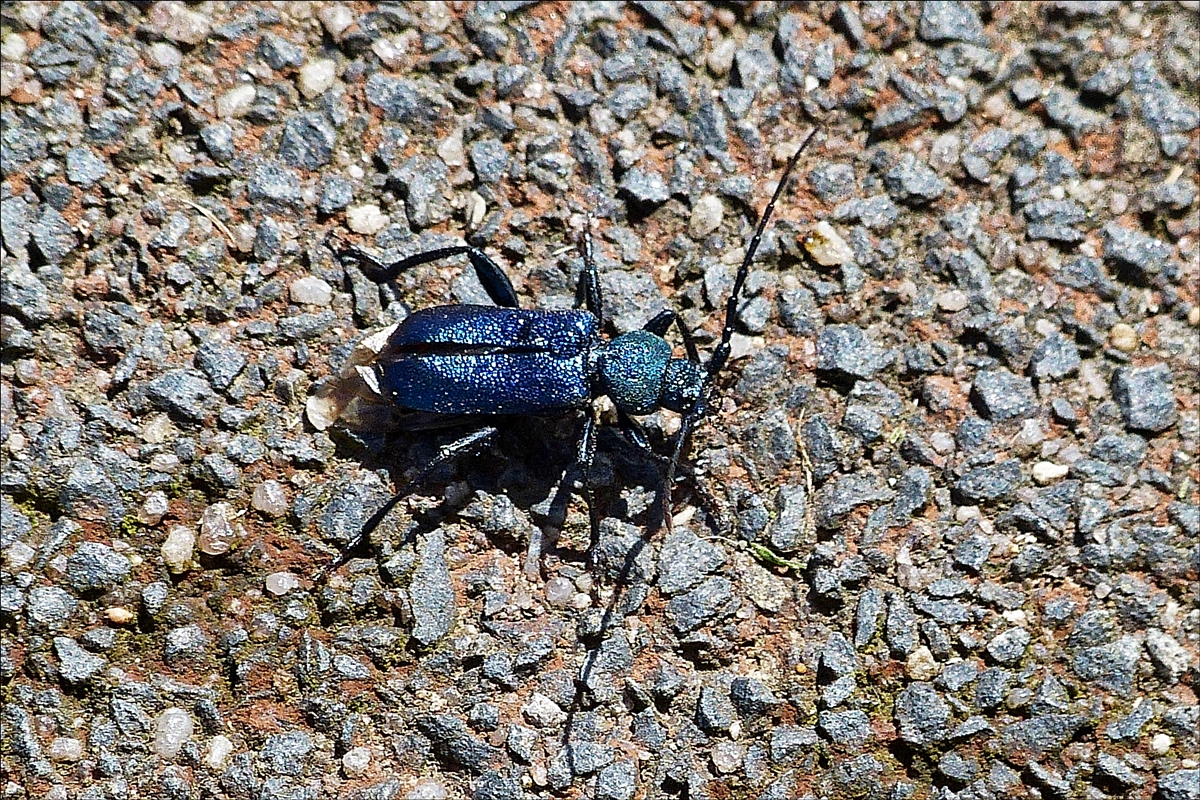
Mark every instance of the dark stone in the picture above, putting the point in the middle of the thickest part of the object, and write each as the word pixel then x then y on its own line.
pixel 1146 397
pixel 685 560
pixel 990 483
pixel 307 141
pixel 921 715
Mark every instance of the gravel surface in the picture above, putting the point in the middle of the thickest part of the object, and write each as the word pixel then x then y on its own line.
pixel 938 538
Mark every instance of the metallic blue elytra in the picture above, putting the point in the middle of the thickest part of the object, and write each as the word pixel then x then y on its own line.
pixel 486 360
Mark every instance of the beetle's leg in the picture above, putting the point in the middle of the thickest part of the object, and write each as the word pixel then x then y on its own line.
pixel 662 321
pixel 593 297
pixel 634 434
pixel 446 454
pixel 494 281
pixel 585 455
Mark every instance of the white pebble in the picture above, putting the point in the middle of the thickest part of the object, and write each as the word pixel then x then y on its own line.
pixel 921 665
pixel 270 498
pixel 219 750
pixel 310 291
pixel 1160 744
pixel 171 730
pixel 153 509
pixel 236 101
pixel 65 749
pixel 706 216
pixel 542 711
pixel 366 219
pixel 280 583
pixel 178 548
pixel 558 592
pixel 216 533
pixel 952 300
pixel 1124 337
pixel 316 77
pixel 13 48
pixel 17 555
pixel 356 761
pixel 827 247
pixel 427 789
pixel 450 150
pixel 1045 472
pixel 336 18
pixel 164 55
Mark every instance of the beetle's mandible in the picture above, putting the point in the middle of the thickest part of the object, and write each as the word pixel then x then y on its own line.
pixel 475 364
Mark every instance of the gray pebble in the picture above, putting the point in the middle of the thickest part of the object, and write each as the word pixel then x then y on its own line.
pixel 950 22
pixel 307 141
pixel 188 644
pixel 912 181
pixel 685 560
pixel 714 711
pixel 96 567
pixel 76 665
pixel 285 753
pixel 1146 397
pixel 849 728
pixel 431 591
pixel 847 351
pixel 921 715
pixel 712 599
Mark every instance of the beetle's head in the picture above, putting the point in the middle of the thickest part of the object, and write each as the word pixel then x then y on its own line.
pixel 637 372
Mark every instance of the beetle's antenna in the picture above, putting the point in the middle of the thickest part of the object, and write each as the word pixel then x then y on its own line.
pixel 731 306
pixel 721 353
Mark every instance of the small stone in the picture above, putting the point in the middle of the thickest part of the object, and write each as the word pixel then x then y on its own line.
pixel 65 749
pixel 846 350
pixel 220 748
pixel 1124 337
pixel 1171 660
pixel 237 101
pixel 950 22
pixel 644 188
pixel 921 665
pixel 153 508
pixel 1146 397
pixel 431 591
pixel 1010 646
pixel 316 77
pixel 269 498
pixel 96 567
pixel 827 247
pixel 714 711
pixel 1144 254
pixel 216 533
pixel 1046 472
pixel 84 167
pixel 1003 395
pixel 356 761
pixel 186 644
pixel 913 181
pixel 310 290
pixel 172 728
pixel 851 728
pixel 280 583
pixel 178 548
pixel 706 217
pixel 543 712
pixel 921 715
pixel 366 219
pixel 76 665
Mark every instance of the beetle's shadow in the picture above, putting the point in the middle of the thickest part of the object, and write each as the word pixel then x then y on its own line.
pixel 531 460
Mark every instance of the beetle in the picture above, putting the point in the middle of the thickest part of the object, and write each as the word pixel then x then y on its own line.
pixel 476 364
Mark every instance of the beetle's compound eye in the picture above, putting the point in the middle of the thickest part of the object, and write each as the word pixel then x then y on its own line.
pixel 631 371
pixel 682 383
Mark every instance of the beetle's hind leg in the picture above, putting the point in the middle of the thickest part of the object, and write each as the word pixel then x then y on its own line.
pixel 447 453
pixel 497 285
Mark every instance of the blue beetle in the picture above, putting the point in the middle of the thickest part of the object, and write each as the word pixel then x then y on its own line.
pixel 476 363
